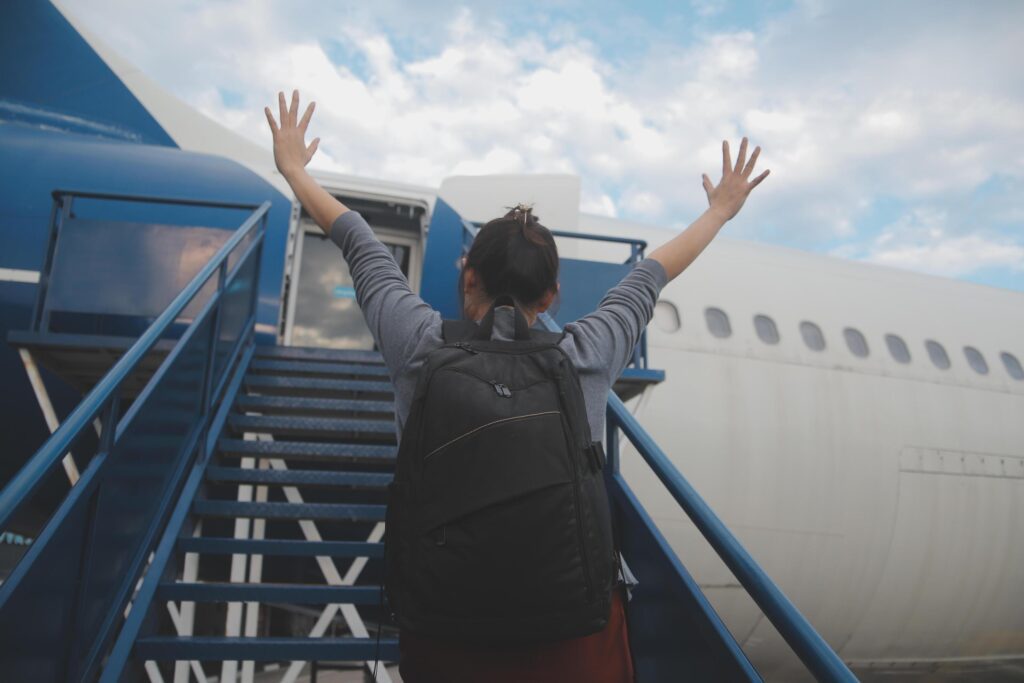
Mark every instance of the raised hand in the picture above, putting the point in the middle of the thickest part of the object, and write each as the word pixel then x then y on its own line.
pixel 728 196
pixel 290 151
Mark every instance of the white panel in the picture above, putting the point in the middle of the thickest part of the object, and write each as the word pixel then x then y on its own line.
pixel 955 571
pixel 18 275
pixel 961 463
pixel 555 197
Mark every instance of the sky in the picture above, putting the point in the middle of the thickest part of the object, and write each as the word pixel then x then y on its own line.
pixel 894 131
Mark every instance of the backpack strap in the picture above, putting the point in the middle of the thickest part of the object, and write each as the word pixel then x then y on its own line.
pixel 465 330
pixel 458 330
pixel 522 328
pixel 546 336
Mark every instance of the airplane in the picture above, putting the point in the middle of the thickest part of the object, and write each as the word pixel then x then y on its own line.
pixel 858 427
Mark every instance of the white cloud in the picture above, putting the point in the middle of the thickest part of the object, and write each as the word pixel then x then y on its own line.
pixel 729 57
pixel 707 8
pixel 921 241
pixel 643 204
pixel 953 256
pixel 922 107
pixel 602 205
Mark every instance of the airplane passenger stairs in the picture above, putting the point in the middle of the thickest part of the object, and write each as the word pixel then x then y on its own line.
pixel 311 440
pixel 232 511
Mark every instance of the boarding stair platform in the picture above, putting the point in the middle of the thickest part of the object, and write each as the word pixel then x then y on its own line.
pixel 233 481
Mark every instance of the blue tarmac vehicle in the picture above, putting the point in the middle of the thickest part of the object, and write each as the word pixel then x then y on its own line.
pixel 198 431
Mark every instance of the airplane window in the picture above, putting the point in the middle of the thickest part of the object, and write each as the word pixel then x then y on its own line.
pixel 812 335
pixel 718 322
pixel 856 342
pixel 976 360
pixel 1012 365
pixel 898 349
pixel 666 316
pixel 937 354
pixel 766 329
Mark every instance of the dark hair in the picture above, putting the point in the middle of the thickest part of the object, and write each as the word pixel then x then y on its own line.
pixel 515 255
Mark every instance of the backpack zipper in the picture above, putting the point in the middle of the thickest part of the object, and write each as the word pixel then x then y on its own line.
pixel 571 438
pixel 515 418
pixel 500 389
pixel 510 352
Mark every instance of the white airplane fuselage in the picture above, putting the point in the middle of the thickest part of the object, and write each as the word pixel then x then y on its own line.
pixel 886 499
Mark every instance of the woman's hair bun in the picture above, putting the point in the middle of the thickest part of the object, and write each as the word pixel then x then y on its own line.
pixel 522 213
pixel 515 255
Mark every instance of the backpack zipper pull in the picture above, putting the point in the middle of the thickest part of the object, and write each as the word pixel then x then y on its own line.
pixel 500 389
pixel 465 347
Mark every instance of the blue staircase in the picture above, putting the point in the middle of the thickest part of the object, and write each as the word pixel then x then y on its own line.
pixel 189 502
pixel 317 420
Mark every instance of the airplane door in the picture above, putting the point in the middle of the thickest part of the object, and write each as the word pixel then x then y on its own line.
pixel 322 310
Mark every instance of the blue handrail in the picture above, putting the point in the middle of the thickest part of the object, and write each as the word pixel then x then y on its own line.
pixel 34 472
pixel 812 649
pixel 92 550
pixel 637 246
pixel 809 646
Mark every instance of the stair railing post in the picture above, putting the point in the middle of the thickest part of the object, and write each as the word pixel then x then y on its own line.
pixel 107 436
pixel 44 274
pixel 636 252
pixel 72 653
pixel 254 300
pixel 108 423
pixel 51 255
pixel 611 444
pixel 211 355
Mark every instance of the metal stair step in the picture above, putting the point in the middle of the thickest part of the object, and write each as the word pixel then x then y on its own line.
pixel 306 386
pixel 323 355
pixel 300 450
pixel 294 425
pixel 298 405
pixel 297 367
pixel 287 593
pixel 205 648
pixel 328 511
pixel 285 548
pixel 237 475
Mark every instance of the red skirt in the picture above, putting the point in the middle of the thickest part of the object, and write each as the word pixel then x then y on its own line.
pixel 601 657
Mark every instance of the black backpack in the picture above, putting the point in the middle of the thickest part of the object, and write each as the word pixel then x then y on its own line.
pixel 498 526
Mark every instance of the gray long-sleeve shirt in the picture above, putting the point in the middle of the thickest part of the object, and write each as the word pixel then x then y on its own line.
pixel 406 328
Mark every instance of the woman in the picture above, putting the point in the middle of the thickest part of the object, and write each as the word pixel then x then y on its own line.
pixel 511 255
